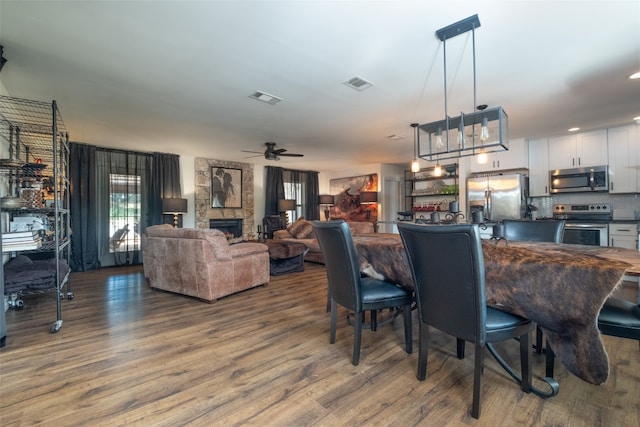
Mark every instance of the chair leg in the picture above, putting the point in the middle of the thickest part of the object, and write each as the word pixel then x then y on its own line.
pixel 477 381
pixel 357 337
pixel 549 360
pixel 374 320
pixel 525 362
pixel 423 349
pixel 539 335
pixel 328 299
pixel 408 329
pixel 460 348
pixel 334 321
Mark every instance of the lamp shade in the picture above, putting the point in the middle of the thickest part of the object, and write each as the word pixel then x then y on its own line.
pixel 369 197
pixel 326 199
pixel 172 206
pixel 286 205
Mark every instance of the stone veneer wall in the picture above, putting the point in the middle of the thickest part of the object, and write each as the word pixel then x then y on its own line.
pixel 204 211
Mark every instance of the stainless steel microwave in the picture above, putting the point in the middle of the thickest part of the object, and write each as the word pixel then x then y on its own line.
pixel 579 180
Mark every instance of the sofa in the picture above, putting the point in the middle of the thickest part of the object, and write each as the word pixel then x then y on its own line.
pixel 201 263
pixel 302 231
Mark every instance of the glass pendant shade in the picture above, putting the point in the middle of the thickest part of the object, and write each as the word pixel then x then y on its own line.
pixel 482 158
pixel 415 166
pixel 484 130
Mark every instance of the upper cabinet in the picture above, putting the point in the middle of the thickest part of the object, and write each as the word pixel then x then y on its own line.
pixel 539 167
pixel 581 150
pixel 515 157
pixel 624 158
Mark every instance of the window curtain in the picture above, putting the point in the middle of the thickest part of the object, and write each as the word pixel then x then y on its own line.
pixel 95 174
pixel 288 183
pixel 82 195
pixel 274 190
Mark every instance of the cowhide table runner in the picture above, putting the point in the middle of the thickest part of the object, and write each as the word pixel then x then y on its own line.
pixel 560 287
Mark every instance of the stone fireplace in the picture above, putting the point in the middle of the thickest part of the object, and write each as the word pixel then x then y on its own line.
pixel 205 214
pixel 231 226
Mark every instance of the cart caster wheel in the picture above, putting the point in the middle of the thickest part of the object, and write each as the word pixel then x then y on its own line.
pixel 19 305
pixel 56 326
pixel 70 296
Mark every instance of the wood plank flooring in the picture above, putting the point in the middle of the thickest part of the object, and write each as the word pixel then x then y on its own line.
pixel 128 355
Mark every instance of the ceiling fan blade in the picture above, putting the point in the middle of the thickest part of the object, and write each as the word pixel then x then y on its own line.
pixel 255 152
pixel 251 157
pixel 291 155
pixel 279 151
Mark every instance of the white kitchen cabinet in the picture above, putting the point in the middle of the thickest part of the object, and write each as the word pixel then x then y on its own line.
pixel 539 167
pixel 623 235
pixel 515 157
pixel 624 158
pixel 580 150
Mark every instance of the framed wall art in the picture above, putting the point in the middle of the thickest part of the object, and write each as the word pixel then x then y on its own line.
pixel 226 187
pixel 347 198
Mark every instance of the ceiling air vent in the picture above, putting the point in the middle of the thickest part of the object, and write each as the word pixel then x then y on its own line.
pixel 265 97
pixel 358 83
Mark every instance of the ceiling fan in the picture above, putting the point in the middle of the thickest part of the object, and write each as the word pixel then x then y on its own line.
pixel 273 153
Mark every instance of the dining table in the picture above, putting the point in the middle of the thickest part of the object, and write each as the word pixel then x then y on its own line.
pixel 560 287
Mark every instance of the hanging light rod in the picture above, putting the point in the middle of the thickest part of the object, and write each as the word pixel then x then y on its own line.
pixel 458 28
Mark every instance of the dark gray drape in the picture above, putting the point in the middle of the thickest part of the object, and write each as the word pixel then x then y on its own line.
pixel 90 168
pixel 274 190
pixel 312 207
pixel 82 192
pixel 166 183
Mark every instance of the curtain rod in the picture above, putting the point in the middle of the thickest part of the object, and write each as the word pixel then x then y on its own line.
pixel 121 150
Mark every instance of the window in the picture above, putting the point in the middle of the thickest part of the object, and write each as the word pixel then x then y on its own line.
pixel 293 191
pixel 124 212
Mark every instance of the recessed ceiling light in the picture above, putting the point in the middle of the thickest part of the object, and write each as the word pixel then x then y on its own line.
pixel 637 119
pixel 574 129
pixel 265 97
pixel 635 75
pixel 358 83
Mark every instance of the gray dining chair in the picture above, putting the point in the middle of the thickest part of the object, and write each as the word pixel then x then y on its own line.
pixel 620 318
pixel 447 266
pixel 537 231
pixel 357 294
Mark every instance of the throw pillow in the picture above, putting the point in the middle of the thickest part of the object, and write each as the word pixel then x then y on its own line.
pixel 295 228
pixel 305 231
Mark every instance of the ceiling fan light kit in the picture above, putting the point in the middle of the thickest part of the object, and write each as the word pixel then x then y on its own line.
pixel 478 133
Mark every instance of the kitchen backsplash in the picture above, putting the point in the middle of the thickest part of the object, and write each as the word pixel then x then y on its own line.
pixel 617 201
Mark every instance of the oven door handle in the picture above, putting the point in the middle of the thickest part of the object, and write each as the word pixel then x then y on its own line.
pixel 594 226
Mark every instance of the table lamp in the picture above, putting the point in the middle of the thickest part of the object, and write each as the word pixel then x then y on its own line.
pixel 284 206
pixel 174 207
pixel 326 200
pixel 368 198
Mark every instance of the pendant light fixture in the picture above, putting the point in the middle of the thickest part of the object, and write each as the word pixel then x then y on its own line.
pixel 415 164
pixel 487 127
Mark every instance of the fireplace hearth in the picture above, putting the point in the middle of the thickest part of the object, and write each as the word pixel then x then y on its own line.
pixel 228 226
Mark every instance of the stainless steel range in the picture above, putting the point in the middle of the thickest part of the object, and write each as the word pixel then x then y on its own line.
pixel 586 224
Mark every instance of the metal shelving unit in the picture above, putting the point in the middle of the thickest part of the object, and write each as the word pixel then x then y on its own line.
pixel 425 192
pixel 36 173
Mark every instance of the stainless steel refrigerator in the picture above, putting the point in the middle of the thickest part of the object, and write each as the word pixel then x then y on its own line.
pixel 498 196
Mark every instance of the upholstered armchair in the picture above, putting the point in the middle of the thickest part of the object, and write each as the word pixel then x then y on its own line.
pixel 201 263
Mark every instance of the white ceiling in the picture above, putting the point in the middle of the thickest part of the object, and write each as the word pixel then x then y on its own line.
pixel 175 76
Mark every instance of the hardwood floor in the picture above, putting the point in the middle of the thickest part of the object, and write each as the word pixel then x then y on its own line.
pixel 127 355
